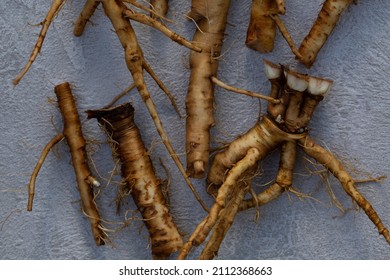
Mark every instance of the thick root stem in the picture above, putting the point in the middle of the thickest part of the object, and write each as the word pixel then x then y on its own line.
pixel 138 172
pixel 211 17
pixel 88 10
pixel 262 29
pixel 135 63
pixel 76 142
pixel 247 163
pixel 319 33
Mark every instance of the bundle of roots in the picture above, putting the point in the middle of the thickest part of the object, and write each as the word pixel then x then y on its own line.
pixel 294 99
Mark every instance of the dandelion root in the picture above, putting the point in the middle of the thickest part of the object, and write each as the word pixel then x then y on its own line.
pixel 138 173
pixel 323 26
pixel 54 9
pixel 116 11
pixel 210 17
pixel 285 125
pixel 76 142
pixel 261 31
pixel 248 162
pixel 315 151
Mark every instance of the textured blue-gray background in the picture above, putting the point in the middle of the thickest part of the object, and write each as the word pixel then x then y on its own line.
pixel 353 122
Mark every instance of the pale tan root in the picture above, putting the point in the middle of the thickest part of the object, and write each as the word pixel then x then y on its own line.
pixel 88 10
pixel 286 121
pixel 283 178
pixel 135 63
pixel 76 142
pixel 210 16
pixel 45 151
pixel 261 30
pixel 321 29
pixel 119 96
pixel 221 84
pixel 264 136
pixel 318 153
pixel 202 230
pixel 153 12
pixel 224 222
pixel 160 7
pixel 160 27
pixel 162 87
pixel 138 172
pixel 286 35
pixel 54 9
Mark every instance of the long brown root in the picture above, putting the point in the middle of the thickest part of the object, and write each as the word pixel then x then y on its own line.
pixel 45 151
pixel 160 27
pixel 320 31
pixel 286 35
pixel 211 17
pixel 283 178
pixel 246 164
pixel 88 10
pixel 221 84
pixel 265 136
pixel 336 168
pixel 76 142
pixel 135 63
pixel 54 9
pixel 138 172
pixel 224 221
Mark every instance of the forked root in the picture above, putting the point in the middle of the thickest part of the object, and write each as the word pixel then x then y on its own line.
pixel 224 222
pixel 138 172
pixel 318 153
pixel 76 142
pixel 283 178
pixel 234 176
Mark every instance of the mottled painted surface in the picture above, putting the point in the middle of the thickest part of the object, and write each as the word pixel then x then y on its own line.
pixel 353 122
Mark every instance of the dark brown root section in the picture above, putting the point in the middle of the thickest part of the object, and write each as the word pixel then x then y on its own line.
pixel 285 125
pixel 76 142
pixel 138 172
